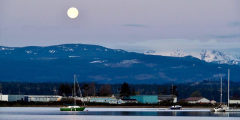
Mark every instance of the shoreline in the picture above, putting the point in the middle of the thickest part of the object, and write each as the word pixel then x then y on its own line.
pixel 111 106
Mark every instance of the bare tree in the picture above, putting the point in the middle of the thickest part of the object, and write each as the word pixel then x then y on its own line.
pixel 106 90
pixel 91 90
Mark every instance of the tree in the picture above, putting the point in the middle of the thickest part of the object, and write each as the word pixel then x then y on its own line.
pixel 92 89
pixel 164 91
pixel 106 90
pixel 174 91
pixel 196 94
pixel 62 90
pixel 85 87
pixel 133 92
pixel 65 90
pixel 159 90
pixel 125 90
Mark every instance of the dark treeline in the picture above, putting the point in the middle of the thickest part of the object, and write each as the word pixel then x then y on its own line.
pixel 207 88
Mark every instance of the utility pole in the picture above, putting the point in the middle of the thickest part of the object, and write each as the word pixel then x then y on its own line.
pixel 172 92
pixel 1 95
pixel 228 86
pixel 94 91
pixel 74 90
pixel 221 93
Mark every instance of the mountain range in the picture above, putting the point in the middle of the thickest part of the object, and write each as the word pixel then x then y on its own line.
pixel 206 55
pixel 58 63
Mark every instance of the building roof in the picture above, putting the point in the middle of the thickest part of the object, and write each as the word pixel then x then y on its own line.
pixel 166 97
pixel 101 98
pixel 193 98
pixel 117 96
pixel 144 95
pixel 129 100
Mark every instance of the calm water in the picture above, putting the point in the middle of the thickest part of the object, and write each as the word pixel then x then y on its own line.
pixel 27 113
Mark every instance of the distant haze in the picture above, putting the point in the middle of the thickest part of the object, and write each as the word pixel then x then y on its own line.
pixel 133 25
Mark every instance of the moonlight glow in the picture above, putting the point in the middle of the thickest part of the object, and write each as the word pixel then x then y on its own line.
pixel 72 12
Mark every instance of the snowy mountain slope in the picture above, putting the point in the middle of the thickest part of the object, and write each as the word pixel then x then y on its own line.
pixel 219 57
pixel 178 53
pixel 206 55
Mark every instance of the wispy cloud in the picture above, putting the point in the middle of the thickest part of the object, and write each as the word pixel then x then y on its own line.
pixel 167 46
pixel 226 36
pixel 236 23
pixel 134 25
pixel 47 27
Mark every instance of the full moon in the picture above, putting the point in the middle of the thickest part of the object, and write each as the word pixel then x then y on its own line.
pixel 72 12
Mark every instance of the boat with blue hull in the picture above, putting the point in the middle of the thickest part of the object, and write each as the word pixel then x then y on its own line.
pixel 176 107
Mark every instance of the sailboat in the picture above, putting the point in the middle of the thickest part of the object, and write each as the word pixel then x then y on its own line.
pixel 74 107
pixel 220 108
pixel 175 107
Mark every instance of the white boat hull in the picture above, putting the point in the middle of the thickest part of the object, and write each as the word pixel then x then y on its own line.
pixel 218 110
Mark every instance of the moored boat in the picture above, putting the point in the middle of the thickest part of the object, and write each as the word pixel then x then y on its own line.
pixel 176 107
pixel 218 109
pixel 74 107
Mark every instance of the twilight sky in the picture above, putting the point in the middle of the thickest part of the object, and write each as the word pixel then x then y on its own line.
pixel 133 25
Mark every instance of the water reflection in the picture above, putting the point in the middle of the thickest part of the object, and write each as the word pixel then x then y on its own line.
pixel 173 113
pixel 143 112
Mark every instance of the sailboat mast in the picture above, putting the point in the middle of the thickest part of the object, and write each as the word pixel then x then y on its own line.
pixel 74 91
pixel 221 92
pixel 228 85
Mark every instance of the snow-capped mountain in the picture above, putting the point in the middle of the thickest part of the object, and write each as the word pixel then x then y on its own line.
pixel 206 55
pixel 150 52
pixel 178 53
pixel 219 57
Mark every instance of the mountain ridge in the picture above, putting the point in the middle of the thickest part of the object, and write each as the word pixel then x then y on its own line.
pixel 213 56
pixel 95 63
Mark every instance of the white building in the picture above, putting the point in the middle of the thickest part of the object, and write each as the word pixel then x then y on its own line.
pixel 30 98
pixel 234 101
pixel 122 101
pixel 195 100
pixel 3 97
pixel 213 102
pixel 162 98
pixel 110 100
pixel 12 98
pixel 113 101
pixel 42 98
pixel 84 99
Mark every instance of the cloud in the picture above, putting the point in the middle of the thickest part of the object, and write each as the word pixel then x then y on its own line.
pixel 236 23
pixel 134 25
pixel 166 46
pixel 226 36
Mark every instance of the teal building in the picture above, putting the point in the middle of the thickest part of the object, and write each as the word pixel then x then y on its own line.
pixel 150 99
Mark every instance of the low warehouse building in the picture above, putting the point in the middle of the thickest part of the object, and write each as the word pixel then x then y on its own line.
pixel 195 100
pixel 42 98
pixel 234 100
pixel 3 97
pixel 162 98
pixel 129 101
pixel 150 99
pixel 111 100
pixel 12 98
pixel 30 98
